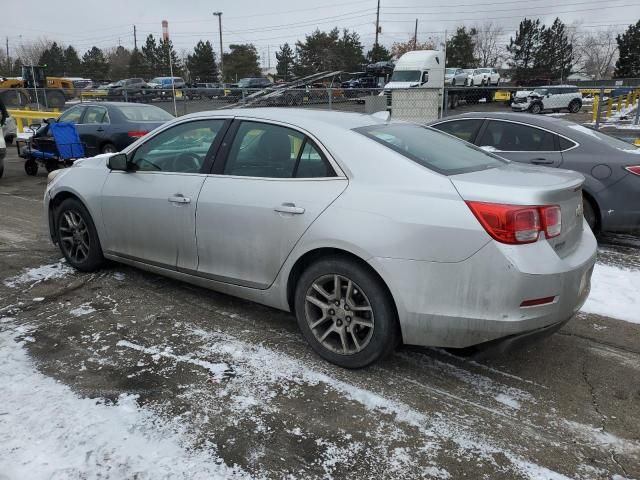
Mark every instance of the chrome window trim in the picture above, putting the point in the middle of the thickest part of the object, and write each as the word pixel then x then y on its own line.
pixel 575 143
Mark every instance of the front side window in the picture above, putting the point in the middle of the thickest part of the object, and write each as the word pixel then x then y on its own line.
pixel 431 149
pixel 72 115
pixel 463 129
pixel 182 148
pixel 271 151
pixel 515 137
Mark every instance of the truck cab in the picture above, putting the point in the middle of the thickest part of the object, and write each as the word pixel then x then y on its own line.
pixel 420 68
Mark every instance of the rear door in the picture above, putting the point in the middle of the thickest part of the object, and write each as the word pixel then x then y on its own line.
pixel 269 184
pixel 520 142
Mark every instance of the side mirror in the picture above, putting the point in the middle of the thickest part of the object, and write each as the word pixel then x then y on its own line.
pixel 118 162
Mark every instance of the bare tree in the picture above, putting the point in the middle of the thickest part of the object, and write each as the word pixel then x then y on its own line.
pixel 30 52
pixel 489 47
pixel 598 53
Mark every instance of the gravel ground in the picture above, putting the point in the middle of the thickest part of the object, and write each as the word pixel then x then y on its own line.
pixel 125 374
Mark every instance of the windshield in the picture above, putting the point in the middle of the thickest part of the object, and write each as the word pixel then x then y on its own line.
pixel 145 113
pixel 405 76
pixel 156 80
pixel 541 91
pixel 244 82
pixel 451 70
pixel 468 70
pixel 432 148
pixel 484 70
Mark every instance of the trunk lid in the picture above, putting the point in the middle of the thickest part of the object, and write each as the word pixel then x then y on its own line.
pixel 527 185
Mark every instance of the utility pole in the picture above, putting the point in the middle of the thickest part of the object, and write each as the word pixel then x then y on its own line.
pixel 8 59
pixel 377 25
pixel 219 15
pixel 415 36
pixel 135 39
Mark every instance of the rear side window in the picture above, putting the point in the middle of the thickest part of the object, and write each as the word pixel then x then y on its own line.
pixel 463 129
pixel 146 113
pixel 271 151
pixel 565 144
pixel 515 137
pixel 431 149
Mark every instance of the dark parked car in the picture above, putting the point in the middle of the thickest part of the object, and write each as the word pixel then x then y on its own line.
pixel 208 90
pixel 611 167
pixel 360 86
pixel 111 126
pixel 247 86
pixel 128 89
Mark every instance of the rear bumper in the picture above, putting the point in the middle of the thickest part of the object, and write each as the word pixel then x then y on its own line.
pixel 478 300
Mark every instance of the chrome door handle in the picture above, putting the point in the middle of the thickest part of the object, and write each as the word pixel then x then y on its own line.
pixel 289 208
pixel 541 161
pixel 179 198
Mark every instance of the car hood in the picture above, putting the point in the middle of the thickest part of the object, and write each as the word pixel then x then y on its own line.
pixel 401 84
pixel 92 162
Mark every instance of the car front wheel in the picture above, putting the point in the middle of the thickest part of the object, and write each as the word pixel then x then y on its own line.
pixel 77 236
pixel 575 106
pixel 345 312
pixel 536 108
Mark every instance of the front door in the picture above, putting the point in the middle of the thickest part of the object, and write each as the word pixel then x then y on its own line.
pixel 149 212
pixel 520 143
pixel 275 182
pixel 94 129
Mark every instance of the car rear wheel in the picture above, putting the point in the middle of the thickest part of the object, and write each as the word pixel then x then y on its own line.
pixel 77 236
pixel 590 214
pixel 345 312
pixel 31 167
pixel 575 106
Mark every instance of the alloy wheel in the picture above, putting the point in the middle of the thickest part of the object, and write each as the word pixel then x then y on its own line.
pixel 74 236
pixel 339 314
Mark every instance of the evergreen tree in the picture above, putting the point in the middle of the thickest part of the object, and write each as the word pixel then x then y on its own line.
pixel 53 59
pixel 150 55
pixel 350 52
pixel 286 61
pixel 137 65
pixel 400 48
pixel 202 64
pixel 94 64
pixel 524 48
pixel 240 62
pixel 378 54
pixel 628 64
pixel 554 56
pixel 73 65
pixel 328 51
pixel 164 51
pixel 460 48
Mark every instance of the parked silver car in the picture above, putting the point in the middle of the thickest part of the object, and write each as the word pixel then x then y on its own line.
pixel 372 232
pixel 455 77
pixel 611 166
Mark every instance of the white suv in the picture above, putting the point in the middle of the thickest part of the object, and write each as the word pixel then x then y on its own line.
pixel 556 98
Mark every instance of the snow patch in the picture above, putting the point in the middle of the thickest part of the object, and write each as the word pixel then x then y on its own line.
pixel 40 274
pixel 49 432
pixel 585 130
pixel 84 309
pixel 615 293
pixel 508 401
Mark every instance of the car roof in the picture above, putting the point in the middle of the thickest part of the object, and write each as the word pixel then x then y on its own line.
pixel 113 104
pixel 309 119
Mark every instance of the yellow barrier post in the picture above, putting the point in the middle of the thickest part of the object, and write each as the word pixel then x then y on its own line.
pixel 609 106
pixel 22 115
pixel 596 105
pixel 619 109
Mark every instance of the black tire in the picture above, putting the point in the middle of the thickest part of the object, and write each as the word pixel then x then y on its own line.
pixel 590 214
pixel 453 82
pixel 9 139
pixel 31 167
pixel 1 170
pixel 108 148
pixel 94 258
pixel 536 108
pixel 51 165
pixel 575 105
pixel 385 333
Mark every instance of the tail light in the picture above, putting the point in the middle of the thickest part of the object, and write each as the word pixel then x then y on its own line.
pixel 137 133
pixel 634 169
pixel 518 224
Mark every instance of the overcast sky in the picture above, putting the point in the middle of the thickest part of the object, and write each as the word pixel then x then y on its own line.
pixel 270 23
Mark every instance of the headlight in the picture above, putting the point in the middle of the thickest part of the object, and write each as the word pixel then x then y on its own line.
pixel 55 174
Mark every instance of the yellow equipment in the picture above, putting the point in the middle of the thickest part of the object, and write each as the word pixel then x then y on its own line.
pixel 35 88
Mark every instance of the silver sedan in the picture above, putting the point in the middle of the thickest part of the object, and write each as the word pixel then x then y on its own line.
pixel 372 232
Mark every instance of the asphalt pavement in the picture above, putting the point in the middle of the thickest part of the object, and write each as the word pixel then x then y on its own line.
pixel 241 380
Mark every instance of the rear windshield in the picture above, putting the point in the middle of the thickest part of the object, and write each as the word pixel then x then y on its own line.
pixel 145 113
pixel 432 148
